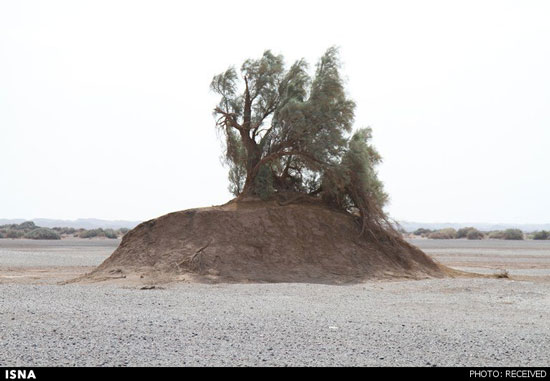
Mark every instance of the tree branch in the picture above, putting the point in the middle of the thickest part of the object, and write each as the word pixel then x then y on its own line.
pixel 228 119
pixel 247 106
pixel 280 154
pixel 272 107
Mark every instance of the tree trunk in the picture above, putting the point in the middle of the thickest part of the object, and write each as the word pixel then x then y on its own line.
pixel 253 158
pixel 252 149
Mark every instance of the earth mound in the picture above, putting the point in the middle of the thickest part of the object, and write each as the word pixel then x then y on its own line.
pixel 256 241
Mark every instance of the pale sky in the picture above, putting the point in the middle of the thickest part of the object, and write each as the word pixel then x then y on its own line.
pixel 105 109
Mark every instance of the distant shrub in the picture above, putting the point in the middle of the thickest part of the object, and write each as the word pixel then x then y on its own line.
pixel 16 230
pixel 27 225
pixel 474 234
pixel 92 233
pixel 42 233
pixel 543 234
pixel 463 232
pixel 503 274
pixel 1 235
pixel 422 232
pixel 470 233
pixel 123 231
pixel 513 234
pixel 64 230
pixel 12 233
pixel 448 233
pixel 496 234
pixel 110 233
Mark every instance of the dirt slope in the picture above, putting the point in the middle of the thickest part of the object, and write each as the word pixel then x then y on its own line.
pixel 259 242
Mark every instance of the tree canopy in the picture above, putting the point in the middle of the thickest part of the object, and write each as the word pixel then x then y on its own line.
pixel 286 130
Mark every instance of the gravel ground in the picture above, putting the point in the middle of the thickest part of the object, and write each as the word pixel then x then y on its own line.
pixel 519 258
pixel 450 322
pixel 44 253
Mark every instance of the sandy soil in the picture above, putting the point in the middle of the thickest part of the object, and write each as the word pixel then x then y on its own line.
pixel 263 241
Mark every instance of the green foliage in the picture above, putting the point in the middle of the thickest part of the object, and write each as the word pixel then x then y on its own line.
pixel 92 233
pixel 16 230
pixel 30 231
pixel 110 233
pixel 543 234
pixel 448 233
pixel 123 231
pixel 422 232
pixel 42 233
pixel 283 116
pixel 361 159
pixel 469 233
pixel 13 233
pixel 264 182
pixel 235 158
pixel 510 234
pixel 513 234
pixel 287 130
pixel 496 234
pixel 353 184
pixel 27 226
pixel 463 232
pixel 65 230
pixel 474 234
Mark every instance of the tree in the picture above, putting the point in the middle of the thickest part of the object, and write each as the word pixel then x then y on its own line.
pixel 543 234
pixel 513 234
pixel 287 131
pixel 474 234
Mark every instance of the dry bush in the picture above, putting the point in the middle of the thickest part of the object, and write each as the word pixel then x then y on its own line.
pixel 541 235
pixel 42 233
pixel 503 274
pixel 448 233
pixel 474 234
